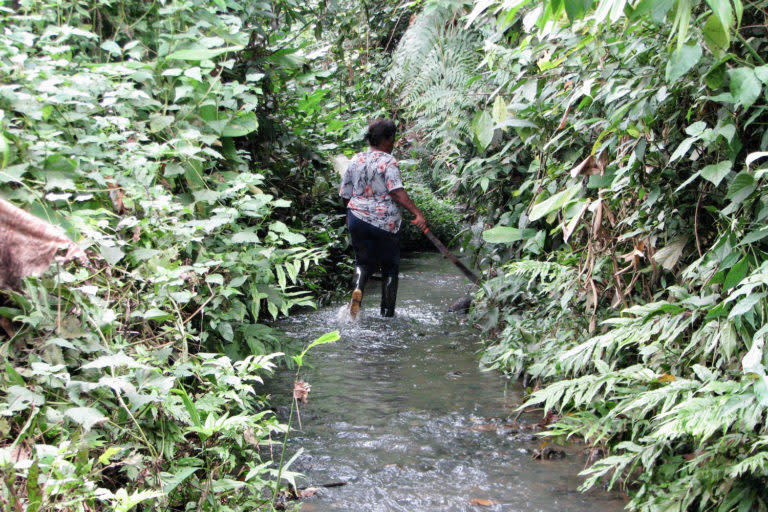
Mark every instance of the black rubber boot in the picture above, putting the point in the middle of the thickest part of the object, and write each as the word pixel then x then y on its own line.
pixel 361 277
pixel 388 294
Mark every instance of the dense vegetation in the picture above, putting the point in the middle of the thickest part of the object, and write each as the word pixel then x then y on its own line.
pixel 183 144
pixel 609 156
pixel 616 150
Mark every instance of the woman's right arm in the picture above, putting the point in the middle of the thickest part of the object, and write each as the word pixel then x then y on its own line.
pixel 400 196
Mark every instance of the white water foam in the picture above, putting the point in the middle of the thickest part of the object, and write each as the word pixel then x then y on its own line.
pixel 343 316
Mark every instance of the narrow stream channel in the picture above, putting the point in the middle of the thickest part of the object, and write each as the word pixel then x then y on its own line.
pixel 400 411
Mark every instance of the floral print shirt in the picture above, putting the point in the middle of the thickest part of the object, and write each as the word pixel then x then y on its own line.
pixel 367 182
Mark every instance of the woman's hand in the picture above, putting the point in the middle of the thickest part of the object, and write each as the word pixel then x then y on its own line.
pixel 420 222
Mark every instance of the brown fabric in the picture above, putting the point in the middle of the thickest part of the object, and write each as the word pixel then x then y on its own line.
pixel 28 244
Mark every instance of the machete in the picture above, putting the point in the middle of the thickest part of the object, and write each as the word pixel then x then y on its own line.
pixel 448 254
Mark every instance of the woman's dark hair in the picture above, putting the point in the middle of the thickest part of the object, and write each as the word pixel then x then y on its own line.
pixel 379 130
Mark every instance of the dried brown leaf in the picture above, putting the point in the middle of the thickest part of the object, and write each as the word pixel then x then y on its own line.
pixel 564 119
pixel 20 453
pixel 480 502
pixel 590 165
pixel 7 327
pixel 597 220
pixel 484 428
pixel 602 161
pixel 670 254
pixel 250 438
pixel 306 493
pixel 574 222
pixel 616 298
pixel 586 163
pixel 301 391
pixel 609 215
pixel 116 194
pixel 549 418
pixel 633 257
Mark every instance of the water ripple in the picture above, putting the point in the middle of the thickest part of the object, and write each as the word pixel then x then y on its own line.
pixel 400 411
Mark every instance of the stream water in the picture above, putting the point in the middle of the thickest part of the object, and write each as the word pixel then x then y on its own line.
pixel 401 413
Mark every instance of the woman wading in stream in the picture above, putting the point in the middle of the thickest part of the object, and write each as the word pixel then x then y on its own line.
pixel 374 190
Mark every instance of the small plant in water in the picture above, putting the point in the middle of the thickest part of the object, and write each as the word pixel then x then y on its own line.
pixel 301 391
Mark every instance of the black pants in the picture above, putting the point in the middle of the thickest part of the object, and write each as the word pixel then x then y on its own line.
pixel 374 248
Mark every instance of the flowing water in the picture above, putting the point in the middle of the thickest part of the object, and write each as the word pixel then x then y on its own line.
pixel 400 412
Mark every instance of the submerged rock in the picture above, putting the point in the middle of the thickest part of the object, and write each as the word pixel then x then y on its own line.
pixel 462 305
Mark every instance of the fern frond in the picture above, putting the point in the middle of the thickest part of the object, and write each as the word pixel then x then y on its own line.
pixel 756 465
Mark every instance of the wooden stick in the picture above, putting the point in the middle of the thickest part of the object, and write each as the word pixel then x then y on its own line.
pixel 448 254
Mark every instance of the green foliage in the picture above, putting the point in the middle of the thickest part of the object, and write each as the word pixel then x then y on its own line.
pixel 626 151
pixel 108 429
pixel 180 144
pixel 433 66
pixel 442 216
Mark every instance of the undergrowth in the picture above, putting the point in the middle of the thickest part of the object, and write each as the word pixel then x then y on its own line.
pixel 613 157
pixel 177 144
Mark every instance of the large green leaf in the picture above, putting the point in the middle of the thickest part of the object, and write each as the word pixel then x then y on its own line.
pixel 480 7
pixel 246 236
pixel 754 236
pixel 113 361
pixel 682 149
pixel 112 255
pixel 717 37
pixel 13 173
pixel 159 122
pixel 682 60
pixel 287 58
pixel 723 11
pixel 715 77
pixel 553 203
pixel 741 187
pixel 482 127
pixel 499 110
pixel 195 54
pixel 171 481
pixel 609 9
pixel 20 398
pixel 746 305
pixel 506 234
pixel 658 9
pixel 225 329
pixel 745 87
pixel 752 157
pixel 4 151
pixel 309 104
pixel 328 337
pixel 761 73
pixel 293 238
pixel 716 172
pixel 242 124
pixel 736 274
pixel 86 417
pixel 576 9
